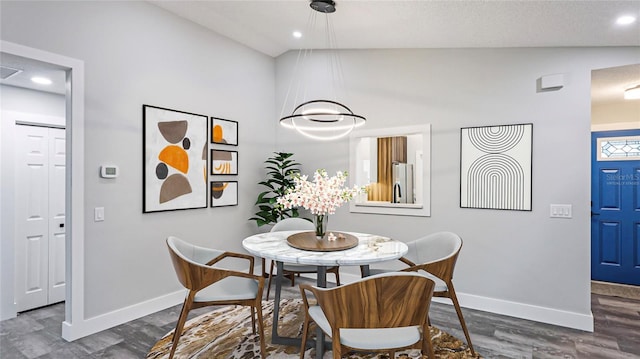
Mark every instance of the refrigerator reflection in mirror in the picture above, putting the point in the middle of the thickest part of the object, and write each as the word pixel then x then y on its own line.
pixel 402 180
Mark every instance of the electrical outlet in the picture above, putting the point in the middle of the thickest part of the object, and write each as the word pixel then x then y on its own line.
pixel 560 211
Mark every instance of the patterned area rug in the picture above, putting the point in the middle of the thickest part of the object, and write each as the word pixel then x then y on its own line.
pixel 226 333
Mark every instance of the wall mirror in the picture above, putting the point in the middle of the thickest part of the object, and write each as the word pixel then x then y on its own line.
pixel 395 166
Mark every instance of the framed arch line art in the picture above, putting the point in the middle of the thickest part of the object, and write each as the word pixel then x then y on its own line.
pixel 175 160
pixel 496 167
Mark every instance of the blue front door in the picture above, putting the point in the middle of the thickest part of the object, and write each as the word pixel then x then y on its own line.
pixel 615 206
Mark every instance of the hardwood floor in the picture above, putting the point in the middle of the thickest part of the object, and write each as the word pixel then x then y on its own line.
pixel 37 333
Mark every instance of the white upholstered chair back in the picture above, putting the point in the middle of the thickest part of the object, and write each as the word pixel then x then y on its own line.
pixel 191 252
pixel 293 224
pixel 434 247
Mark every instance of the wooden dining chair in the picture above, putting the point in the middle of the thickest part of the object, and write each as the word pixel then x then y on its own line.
pixel 435 256
pixel 198 270
pixel 292 270
pixel 381 313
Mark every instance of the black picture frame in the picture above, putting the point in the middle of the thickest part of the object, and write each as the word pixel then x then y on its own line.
pixel 223 193
pixel 223 162
pixel 224 132
pixel 174 147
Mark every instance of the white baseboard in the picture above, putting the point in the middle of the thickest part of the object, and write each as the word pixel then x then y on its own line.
pixel 552 316
pixel 513 309
pixel 83 328
pixel 8 311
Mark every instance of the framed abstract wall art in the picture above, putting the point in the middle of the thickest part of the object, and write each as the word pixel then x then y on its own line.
pixel 224 132
pixel 224 162
pixel 496 167
pixel 175 160
pixel 224 193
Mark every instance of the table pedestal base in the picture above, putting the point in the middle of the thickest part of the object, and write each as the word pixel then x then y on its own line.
pixel 320 343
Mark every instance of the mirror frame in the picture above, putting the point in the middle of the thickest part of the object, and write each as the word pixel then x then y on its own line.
pixel 399 209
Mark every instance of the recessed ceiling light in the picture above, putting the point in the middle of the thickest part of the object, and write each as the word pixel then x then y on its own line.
pixel 41 80
pixel 626 20
pixel 297 34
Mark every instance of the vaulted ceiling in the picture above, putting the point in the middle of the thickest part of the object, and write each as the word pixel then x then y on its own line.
pixel 267 26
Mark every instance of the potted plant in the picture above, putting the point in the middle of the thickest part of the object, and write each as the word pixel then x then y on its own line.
pixel 281 169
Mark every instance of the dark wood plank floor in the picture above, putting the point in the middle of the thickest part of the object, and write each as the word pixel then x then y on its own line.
pixel 37 333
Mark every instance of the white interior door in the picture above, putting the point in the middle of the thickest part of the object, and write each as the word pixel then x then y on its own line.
pixel 39 200
pixel 57 154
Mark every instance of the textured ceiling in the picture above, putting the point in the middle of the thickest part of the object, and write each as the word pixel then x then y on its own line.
pixel 267 25
pixel 30 68
pixel 608 85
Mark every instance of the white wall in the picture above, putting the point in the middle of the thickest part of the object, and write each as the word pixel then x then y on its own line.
pixel 518 263
pixel 33 102
pixel 134 54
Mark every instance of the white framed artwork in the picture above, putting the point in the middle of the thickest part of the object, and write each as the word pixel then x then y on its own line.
pixel 496 167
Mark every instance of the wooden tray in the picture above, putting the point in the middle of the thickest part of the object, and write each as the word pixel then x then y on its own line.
pixel 307 241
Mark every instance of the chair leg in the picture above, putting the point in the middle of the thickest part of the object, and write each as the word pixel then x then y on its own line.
pixel 290 276
pixel 305 332
pixel 426 342
pixel 336 347
pixel 186 307
pixel 454 299
pixel 269 283
pixel 258 308
pixel 253 319
pixel 337 274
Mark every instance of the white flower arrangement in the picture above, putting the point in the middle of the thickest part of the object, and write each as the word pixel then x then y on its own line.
pixel 321 196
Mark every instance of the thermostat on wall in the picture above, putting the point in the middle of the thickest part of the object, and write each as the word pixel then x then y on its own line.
pixel 109 171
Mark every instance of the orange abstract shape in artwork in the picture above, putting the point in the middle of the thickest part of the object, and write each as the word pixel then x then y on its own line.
pixel 204 158
pixel 217 134
pixel 175 157
pixel 174 186
pixel 222 168
pixel 173 131
pixel 217 189
pixel 221 162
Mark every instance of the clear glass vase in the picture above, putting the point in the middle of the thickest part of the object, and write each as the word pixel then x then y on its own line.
pixel 320 221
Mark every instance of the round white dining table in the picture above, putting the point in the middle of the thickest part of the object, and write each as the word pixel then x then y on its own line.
pixel 370 249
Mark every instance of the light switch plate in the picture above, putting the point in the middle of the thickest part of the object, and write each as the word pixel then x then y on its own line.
pixel 98 214
pixel 560 211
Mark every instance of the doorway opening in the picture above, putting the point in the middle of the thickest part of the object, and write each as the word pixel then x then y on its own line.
pixel 615 177
pixel 73 223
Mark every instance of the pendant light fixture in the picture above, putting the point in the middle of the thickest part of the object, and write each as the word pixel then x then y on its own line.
pixel 320 119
